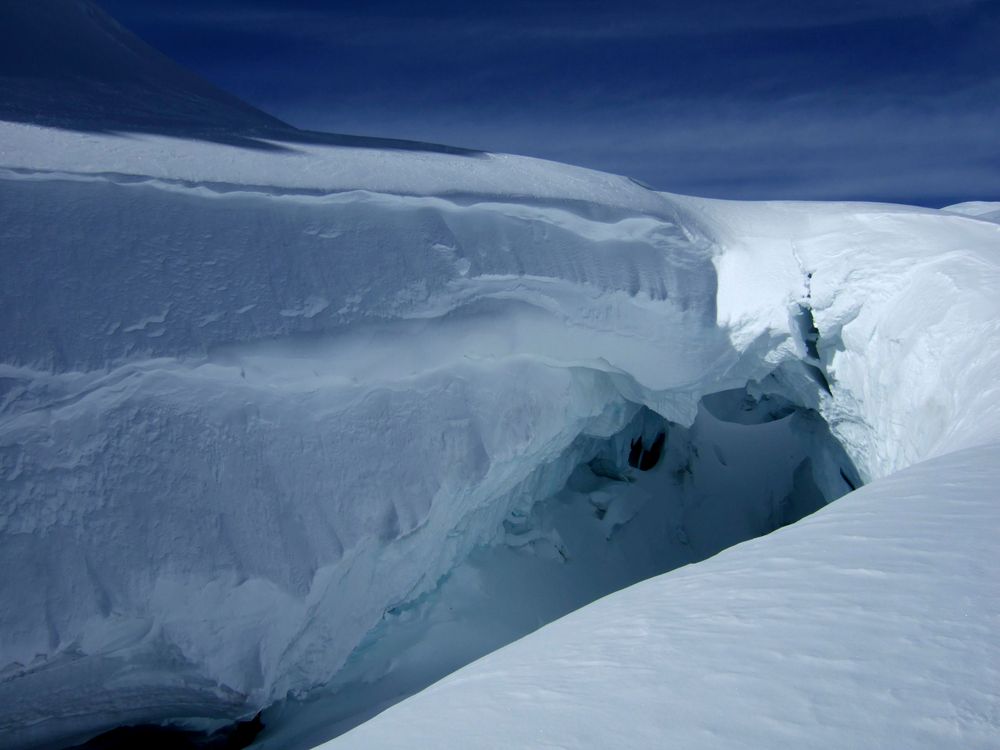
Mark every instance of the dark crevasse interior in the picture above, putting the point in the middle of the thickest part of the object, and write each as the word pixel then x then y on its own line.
pixel 151 737
pixel 652 498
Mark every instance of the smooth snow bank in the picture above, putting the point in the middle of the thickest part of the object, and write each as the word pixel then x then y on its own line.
pixel 870 624
pixel 298 169
pixel 253 400
pixel 986 210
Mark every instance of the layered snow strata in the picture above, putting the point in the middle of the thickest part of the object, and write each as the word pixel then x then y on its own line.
pixel 237 426
pixel 240 420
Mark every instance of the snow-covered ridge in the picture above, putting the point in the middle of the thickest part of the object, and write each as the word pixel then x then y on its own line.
pixel 295 166
pixel 985 210
pixel 66 63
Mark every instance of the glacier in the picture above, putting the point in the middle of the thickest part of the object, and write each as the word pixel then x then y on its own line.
pixel 301 423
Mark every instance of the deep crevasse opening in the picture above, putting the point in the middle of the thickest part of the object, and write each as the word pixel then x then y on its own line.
pixel 651 498
pixel 334 455
pixel 618 505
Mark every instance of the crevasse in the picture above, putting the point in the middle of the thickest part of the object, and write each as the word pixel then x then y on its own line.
pixel 242 427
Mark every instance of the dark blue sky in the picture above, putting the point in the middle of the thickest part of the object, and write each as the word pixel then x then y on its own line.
pixel 883 100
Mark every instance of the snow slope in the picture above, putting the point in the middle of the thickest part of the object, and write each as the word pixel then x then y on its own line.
pixel 986 210
pixel 871 624
pixel 272 406
pixel 67 63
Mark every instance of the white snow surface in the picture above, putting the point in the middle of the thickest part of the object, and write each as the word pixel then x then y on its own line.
pixel 251 400
pixel 871 624
pixel 986 210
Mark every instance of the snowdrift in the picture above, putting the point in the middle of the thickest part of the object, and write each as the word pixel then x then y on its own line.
pixel 287 416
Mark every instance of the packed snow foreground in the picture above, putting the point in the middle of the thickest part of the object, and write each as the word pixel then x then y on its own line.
pixel 303 424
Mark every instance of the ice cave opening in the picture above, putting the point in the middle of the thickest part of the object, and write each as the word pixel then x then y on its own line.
pixel 654 497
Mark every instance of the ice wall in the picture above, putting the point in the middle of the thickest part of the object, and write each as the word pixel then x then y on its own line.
pixel 238 426
pixel 904 304
pixel 238 423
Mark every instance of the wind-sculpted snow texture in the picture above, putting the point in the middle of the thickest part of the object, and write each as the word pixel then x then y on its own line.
pixel 253 400
pixel 237 426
